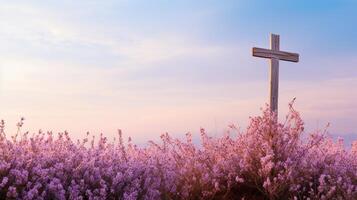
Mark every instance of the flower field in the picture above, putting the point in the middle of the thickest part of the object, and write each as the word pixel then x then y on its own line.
pixel 268 160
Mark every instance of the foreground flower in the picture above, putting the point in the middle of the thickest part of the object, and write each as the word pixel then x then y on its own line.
pixel 267 161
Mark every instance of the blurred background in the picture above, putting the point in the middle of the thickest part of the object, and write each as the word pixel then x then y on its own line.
pixel 150 67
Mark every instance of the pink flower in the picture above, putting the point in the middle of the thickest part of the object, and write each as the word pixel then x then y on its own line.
pixel 268 158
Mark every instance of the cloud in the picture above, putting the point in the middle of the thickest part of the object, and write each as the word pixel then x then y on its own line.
pixel 30 23
pixel 109 66
pixel 153 50
pixel 32 31
pixel 323 101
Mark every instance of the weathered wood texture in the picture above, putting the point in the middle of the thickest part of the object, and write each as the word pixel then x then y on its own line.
pixel 280 55
pixel 274 74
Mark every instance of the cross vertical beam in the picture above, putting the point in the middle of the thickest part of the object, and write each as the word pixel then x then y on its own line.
pixel 274 74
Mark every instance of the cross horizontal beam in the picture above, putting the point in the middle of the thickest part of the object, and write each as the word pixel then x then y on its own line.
pixel 280 55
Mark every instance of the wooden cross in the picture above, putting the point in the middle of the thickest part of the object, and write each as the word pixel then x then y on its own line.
pixel 274 54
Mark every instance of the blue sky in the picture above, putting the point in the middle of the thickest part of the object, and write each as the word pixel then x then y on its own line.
pixel 154 66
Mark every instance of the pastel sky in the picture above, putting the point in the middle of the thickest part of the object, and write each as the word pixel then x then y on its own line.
pixel 150 67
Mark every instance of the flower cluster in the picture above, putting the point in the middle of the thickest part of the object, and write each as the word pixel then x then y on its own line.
pixel 268 160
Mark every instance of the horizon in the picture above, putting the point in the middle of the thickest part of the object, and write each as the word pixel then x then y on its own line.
pixel 154 67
